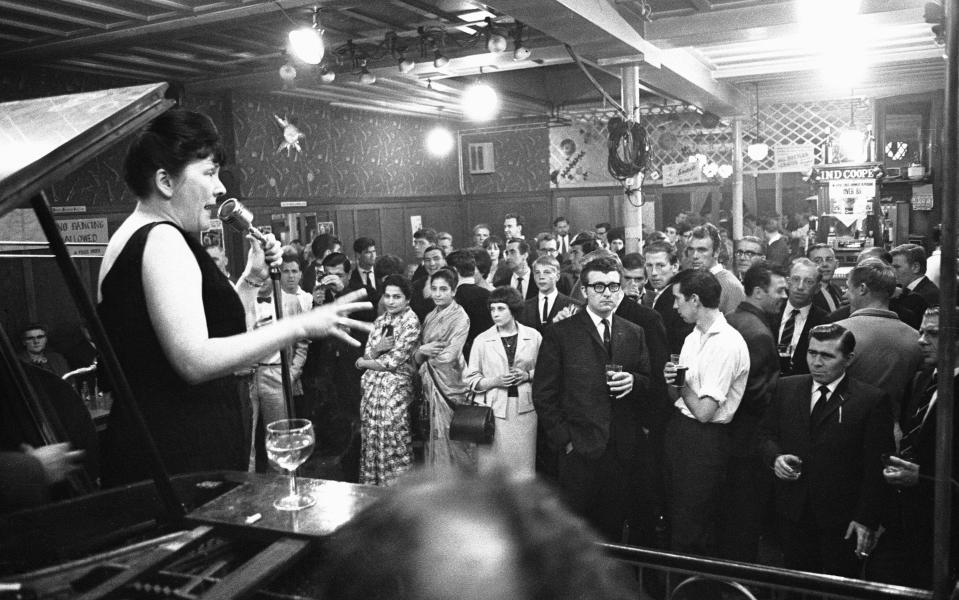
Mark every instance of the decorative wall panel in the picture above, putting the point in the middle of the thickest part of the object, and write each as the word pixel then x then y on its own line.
pixel 521 160
pixel 341 152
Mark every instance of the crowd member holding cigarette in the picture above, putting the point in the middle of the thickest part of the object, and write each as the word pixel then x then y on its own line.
pixel 824 435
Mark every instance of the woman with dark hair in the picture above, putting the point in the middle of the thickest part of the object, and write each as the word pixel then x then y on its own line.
pixel 440 357
pixel 388 386
pixel 494 247
pixel 501 369
pixel 178 325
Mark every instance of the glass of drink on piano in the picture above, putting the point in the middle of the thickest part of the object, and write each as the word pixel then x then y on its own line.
pixel 289 442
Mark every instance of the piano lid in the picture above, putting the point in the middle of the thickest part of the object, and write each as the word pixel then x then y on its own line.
pixel 43 139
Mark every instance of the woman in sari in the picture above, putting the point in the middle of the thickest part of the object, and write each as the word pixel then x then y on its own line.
pixel 441 371
pixel 388 386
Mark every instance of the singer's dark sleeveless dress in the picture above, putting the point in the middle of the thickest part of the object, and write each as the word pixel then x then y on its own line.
pixel 195 427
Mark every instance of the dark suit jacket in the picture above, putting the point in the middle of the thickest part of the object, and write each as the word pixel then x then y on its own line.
pixel 473 299
pixel 656 410
pixel 503 278
pixel 570 392
pixel 753 324
pixel 912 302
pixel 356 283
pixel 778 253
pixel 928 290
pixel 676 328
pixel 533 308
pixel 842 466
pixel 798 365
pixel 820 301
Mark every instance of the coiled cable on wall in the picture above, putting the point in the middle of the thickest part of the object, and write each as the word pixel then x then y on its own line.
pixel 628 146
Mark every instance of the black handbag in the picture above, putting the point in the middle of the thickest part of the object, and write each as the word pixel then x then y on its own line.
pixel 472 423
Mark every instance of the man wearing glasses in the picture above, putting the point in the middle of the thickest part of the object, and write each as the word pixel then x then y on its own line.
pixel 35 351
pixel 828 297
pixel 592 376
pixel 797 317
pixel 749 251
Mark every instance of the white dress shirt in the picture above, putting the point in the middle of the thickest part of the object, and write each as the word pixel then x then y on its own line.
pixel 800 323
pixel 551 301
pixel 832 385
pixel 526 277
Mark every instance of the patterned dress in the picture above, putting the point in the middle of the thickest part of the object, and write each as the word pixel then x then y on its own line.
pixel 387 445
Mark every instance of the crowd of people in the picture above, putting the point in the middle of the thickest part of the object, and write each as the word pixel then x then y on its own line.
pixel 676 397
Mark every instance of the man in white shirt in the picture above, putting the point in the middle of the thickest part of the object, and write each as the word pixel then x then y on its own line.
pixel 698 443
pixel 561 232
pixel 828 297
pixel 797 317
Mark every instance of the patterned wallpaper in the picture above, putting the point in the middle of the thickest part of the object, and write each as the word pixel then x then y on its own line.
pixel 344 153
pixel 521 158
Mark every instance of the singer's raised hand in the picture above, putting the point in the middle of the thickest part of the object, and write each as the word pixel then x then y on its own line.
pixel 331 320
pixel 263 255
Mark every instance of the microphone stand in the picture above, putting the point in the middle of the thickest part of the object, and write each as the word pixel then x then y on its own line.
pixel 237 216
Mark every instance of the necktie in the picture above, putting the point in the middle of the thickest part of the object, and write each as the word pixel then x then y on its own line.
pixel 562 245
pixel 545 310
pixel 368 279
pixel 606 338
pixel 820 408
pixel 915 421
pixel 787 337
pixel 262 300
pixel 519 284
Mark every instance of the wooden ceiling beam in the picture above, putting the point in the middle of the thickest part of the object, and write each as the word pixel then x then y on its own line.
pixel 110 9
pixel 177 27
pixel 19 24
pixel 55 15
pixel 171 4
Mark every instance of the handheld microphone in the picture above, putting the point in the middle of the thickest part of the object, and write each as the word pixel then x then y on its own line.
pixel 239 218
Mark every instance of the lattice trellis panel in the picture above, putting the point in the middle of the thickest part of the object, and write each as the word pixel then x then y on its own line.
pixel 804 123
pixel 677 131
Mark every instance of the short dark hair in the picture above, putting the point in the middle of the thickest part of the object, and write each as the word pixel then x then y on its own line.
pixel 834 331
pixel 771 225
pixel 446 274
pixel 600 265
pixel 170 142
pixel 399 281
pixel 914 253
pixel 337 258
pixel 522 246
pixel 559 220
pixel 493 239
pixel 634 260
pixel 586 242
pixel 386 265
pixel 546 237
pixel 604 225
pixel 665 247
pixel 702 283
pixel 462 262
pixel 42 327
pixel 875 252
pixel 616 233
pixel 760 275
pixel 708 231
pixel 878 276
pixel 508 295
pixel 482 260
pixel 290 255
pixel 427 234
pixel 519 219
pixel 361 244
pixel 321 244
pixel 434 249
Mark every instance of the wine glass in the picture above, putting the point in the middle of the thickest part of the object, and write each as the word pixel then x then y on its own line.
pixel 289 442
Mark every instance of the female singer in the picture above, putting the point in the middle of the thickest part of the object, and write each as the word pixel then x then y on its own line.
pixel 178 325
pixel 502 363
pixel 441 370
pixel 388 386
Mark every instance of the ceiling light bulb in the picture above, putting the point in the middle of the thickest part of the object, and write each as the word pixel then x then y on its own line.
pixel 758 151
pixel 496 43
pixel 327 76
pixel 287 73
pixel 440 61
pixel 366 77
pixel 306 44
pixel 521 52
pixel 439 141
pixel 480 102
pixel 725 171
pixel 405 65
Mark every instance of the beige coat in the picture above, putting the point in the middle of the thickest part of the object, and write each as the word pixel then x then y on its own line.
pixel 488 359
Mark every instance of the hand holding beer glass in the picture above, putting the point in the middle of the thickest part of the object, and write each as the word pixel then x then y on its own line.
pixel 675 372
